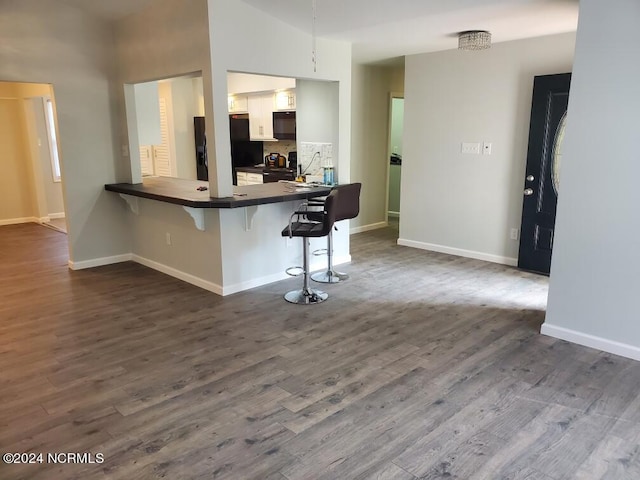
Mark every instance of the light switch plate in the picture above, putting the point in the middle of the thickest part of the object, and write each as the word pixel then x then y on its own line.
pixel 486 148
pixel 472 148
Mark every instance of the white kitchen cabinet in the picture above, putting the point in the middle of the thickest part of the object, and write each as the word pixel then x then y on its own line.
pixel 238 104
pixel 242 178
pixel 285 100
pixel 254 178
pixel 248 178
pixel 261 116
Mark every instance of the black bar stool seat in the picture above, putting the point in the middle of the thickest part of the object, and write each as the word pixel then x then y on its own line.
pixel 348 207
pixel 305 228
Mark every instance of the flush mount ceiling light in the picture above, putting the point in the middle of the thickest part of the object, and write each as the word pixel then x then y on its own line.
pixel 474 40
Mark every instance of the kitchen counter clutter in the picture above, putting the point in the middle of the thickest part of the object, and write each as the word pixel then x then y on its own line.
pixel 194 194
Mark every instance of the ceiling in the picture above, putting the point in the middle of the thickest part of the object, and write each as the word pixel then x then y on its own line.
pixel 385 29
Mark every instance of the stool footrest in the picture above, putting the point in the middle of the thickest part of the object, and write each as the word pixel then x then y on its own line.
pixel 320 252
pixel 294 271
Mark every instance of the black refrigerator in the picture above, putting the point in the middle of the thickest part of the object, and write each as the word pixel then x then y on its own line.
pixel 202 163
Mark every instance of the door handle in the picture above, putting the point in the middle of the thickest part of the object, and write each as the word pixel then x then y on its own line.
pixel 528 192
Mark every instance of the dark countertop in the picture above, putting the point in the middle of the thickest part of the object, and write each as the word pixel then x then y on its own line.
pixel 250 169
pixel 184 192
pixel 263 169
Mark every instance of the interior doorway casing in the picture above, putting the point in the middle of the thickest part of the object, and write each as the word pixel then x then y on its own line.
pixel 390 148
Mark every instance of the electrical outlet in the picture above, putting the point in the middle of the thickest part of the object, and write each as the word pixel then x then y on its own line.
pixel 473 148
pixel 515 234
pixel 168 237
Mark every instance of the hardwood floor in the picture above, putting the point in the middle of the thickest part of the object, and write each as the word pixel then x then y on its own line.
pixel 421 365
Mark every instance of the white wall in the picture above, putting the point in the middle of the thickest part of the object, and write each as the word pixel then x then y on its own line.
pixel 51 42
pixel 183 107
pixel 52 189
pixel 285 51
pixel 16 182
pixel 317 117
pixel 243 83
pixel 463 203
pixel 177 44
pixel 397 125
pixel 594 282
pixel 37 181
pixel 370 138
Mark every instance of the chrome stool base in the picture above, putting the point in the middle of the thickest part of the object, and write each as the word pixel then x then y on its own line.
pixel 306 296
pixel 329 276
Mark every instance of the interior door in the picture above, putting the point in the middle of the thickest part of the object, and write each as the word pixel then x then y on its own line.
pixel 541 184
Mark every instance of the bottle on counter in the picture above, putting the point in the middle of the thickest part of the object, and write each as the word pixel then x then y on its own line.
pixel 328 175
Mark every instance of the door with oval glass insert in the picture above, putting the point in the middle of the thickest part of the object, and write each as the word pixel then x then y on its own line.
pixel 542 177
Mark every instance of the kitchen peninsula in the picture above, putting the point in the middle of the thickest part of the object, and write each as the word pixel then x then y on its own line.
pixel 217 243
pixel 193 193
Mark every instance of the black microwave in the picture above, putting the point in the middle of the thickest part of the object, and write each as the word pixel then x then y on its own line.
pixel 284 125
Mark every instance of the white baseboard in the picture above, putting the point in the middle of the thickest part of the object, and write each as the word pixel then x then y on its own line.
pixel 15 221
pixel 459 252
pixel 99 262
pixel 180 275
pixel 393 214
pixel 367 228
pixel 316 265
pixel 599 343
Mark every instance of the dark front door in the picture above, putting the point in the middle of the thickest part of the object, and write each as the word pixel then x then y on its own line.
pixel 541 184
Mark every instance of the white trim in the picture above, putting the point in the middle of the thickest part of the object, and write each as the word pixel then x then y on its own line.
pixel 197 281
pixel 180 275
pixel 15 221
pixel 487 257
pixel 99 262
pixel 599 343
pixel 56 215
pixel 276 277
pixel 367 228
pixel 393 214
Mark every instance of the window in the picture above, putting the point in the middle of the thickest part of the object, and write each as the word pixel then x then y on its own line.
pixel 53 141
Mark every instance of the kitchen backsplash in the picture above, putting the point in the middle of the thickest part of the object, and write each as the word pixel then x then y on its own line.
pixel 282 147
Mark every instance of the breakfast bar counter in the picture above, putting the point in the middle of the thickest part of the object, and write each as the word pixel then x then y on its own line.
pixel 194 194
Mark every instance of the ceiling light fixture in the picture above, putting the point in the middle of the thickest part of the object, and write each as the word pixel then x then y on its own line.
pixel 474 40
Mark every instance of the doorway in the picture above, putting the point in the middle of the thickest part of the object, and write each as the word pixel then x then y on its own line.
pixel 32 177
pixel 542 177
pixel 396 128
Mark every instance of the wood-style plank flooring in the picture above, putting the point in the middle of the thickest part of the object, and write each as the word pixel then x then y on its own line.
pixel 421 365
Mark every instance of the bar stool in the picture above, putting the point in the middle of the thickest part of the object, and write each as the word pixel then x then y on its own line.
pixel 348 207
pixel 305 228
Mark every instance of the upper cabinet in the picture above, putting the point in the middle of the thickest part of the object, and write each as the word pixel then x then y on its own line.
pixel 261 117
pixel 260 96
pixel 285 100
pixel 238 104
